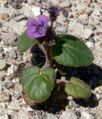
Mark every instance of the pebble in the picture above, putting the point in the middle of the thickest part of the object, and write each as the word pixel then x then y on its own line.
pixel 2 73
pixel 4 116
pixel 14 105
pixel 4 97
pixel 3 16
pixel 73 28
pixel 23 114
pixel 27 10
pixel 2 64
pixel 50 116
pixel 20 17
pixel 8 84
pixel 68 115
pixel 90 44
pixel 64 3
pixel 15 3
pixel 86 115
pixel 9 38
pixel 1 86
pixel 87 33
pixel 17 95
pixel 36 11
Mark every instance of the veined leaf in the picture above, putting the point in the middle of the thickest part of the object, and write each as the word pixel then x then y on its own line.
pixel 37 83
pixel 25 43
pixel 70 51
pixel 77 88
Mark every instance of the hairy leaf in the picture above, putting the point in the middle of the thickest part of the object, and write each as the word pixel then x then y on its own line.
pixel 38 83
pixel 70 51
pixel 77 88
pixel 25 43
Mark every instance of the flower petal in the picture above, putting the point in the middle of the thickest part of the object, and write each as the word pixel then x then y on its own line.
pixel 39 35
pixel 43 19
pixel 30 32
pixel 32 22
pixel 42 30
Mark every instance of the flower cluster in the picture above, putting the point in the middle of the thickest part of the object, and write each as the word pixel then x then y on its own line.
pixel 37 28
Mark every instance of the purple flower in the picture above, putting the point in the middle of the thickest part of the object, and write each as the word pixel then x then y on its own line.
pixel 54 11
pixel 37 28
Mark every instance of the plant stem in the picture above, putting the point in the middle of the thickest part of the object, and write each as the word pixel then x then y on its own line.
pixel 48 54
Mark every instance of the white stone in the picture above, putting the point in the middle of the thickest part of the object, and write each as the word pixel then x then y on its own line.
pixel 90 44
pixel 50 116
pixel 75 28
pixel 4 116
pixel 14 105
pixel 64 3
pixel 2 73
pixel 2 64
pixel 4 97
pixel 86 115
pixel 53 2
pixel 36 11
pixel 68 115
pixel 27 10
pixel 87 33
pixel 23 114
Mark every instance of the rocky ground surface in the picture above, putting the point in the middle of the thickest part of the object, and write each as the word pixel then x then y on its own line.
pixel 82 18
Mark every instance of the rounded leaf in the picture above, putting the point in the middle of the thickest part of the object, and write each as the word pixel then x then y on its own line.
pixel 70 51
pixel 50 72
pixel 77 88
pixel 37 84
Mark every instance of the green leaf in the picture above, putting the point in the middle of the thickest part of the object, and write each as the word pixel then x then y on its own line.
pixel 37 83
pixel 50 72
pixel 70 51
pixel 77 88
pixel 25 43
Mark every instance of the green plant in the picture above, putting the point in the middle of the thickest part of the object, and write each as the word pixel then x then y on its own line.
pixel 65 49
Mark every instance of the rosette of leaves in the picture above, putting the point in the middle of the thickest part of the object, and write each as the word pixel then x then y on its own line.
pixel 37 83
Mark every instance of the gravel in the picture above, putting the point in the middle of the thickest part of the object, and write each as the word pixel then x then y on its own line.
pixel 82 18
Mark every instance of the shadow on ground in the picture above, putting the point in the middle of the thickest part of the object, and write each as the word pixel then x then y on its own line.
pixel 92 75
pixel 58 100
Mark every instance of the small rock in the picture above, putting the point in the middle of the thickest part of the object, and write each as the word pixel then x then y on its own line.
pixel 23 114
pixel 65 12
pixel 86 115
pixel 68 115
pixel 1 86
pixel 4 116
pixel 64 3
pixel 8 84
pixel 4 97
pixel 36 11
pixel 2 64
pixel 3 16
pixel 50 116
pixel 17 95
pixel 74 27
pixel 14 105
pixel 98 111
pixel 2 73
pixel 20 17
pixel 87 33
pixel 9 38
pixel 90 44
